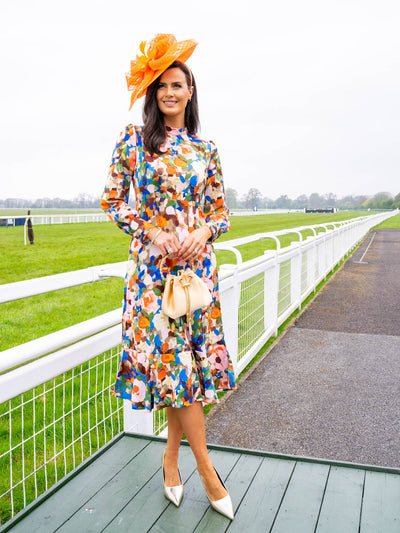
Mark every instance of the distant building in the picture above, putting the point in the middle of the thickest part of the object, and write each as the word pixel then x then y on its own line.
pixel 321 210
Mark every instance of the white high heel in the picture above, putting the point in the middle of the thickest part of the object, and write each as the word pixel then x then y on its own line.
pixel 224 505
pixel 173 494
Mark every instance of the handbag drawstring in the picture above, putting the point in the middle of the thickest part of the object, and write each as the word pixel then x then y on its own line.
pixel 185 284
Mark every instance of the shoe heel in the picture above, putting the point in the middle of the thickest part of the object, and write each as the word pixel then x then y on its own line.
pixel 223 506
pixel 173 494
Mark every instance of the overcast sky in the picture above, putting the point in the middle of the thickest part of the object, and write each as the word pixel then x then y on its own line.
pixel 299 96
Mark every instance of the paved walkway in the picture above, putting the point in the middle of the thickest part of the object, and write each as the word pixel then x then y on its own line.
pixel 330 387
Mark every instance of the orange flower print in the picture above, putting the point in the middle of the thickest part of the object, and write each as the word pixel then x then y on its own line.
pixel 143 322
pixel 215 312
pixel 180 162
pixel 161 221
pixel 132 159
pixel 167 357
pixel 171 171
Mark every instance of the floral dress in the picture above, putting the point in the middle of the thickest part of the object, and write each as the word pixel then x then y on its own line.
pixel 163 363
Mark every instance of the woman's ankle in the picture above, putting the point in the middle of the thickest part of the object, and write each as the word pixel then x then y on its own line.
pixel 171 454
pixel 205 465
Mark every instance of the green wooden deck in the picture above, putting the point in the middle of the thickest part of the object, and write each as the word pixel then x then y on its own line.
pixel 120 490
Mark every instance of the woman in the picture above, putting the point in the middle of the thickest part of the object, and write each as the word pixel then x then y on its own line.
pixel 180 210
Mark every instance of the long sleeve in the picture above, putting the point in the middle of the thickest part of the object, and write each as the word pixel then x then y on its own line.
pixel 215 209
pixel 115 197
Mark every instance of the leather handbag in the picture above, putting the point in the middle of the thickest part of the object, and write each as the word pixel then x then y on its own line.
pixel 184 292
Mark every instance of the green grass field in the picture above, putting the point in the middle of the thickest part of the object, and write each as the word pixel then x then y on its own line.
pixel 391 223
pixel 67 247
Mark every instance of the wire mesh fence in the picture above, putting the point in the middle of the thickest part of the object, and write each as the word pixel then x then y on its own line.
pixel 51 429
pixel 251 319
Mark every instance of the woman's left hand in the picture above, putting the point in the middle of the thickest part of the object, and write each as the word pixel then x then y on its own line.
pixel 194 243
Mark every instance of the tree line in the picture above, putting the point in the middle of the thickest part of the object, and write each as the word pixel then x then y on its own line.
pixel 253 197
pixel 82 201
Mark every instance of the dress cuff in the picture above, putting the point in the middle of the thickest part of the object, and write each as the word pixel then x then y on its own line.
pixel 212 229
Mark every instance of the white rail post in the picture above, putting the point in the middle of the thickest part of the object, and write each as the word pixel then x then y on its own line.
pixel 271 290
pixel 311 263
pixel 230 301
pixel 137 420
pixel 295 277
pixel 322 248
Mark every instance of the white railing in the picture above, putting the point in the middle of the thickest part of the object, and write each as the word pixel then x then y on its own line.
pixel 56 409
pixel 71 218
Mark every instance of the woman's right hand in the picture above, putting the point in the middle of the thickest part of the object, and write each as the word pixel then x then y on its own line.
pixel 167 242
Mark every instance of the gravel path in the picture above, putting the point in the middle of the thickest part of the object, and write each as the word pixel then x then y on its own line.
pixel 330 387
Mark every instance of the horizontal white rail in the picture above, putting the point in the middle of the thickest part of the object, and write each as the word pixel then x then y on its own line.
pixel 279 233
pixel 31 375
pixel 32 287
pixel 57 218
pixel 49 343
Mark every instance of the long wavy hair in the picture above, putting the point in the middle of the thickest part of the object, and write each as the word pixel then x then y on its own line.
pixel 154 131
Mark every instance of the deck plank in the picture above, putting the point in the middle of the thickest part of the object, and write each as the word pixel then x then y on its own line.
pixel 104 505
pixel 66 501
pixel 341 505
pixel 263 497
pixel 121 490
pixel 195 503
pixel 237 484
pixel 381 503
pixel 149 503
pixel 302 501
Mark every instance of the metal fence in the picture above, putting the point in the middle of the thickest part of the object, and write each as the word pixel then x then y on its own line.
pixel 56 409
pixel 70 218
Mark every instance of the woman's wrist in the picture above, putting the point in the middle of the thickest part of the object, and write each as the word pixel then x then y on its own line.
pixel 208 231
pixel 153 234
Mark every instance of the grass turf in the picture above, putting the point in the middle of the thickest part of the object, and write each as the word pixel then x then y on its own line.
pixel 391 223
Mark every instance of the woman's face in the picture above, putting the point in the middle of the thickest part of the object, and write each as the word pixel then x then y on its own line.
pixel 173 95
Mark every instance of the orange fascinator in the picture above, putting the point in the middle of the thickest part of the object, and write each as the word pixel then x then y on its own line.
pixel 161 52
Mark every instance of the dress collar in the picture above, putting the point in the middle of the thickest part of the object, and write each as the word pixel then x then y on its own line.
pixel 174 136
pixel 176 131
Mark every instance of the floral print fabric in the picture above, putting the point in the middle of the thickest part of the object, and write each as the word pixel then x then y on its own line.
pixel 162 364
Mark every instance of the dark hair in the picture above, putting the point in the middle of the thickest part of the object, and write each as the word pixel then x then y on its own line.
pixel 154 131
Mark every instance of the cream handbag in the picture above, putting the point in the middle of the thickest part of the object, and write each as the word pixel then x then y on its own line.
pixel 184 292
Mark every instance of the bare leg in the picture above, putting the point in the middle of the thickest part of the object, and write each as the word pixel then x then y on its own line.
pixel 191 419
pixel 175 433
